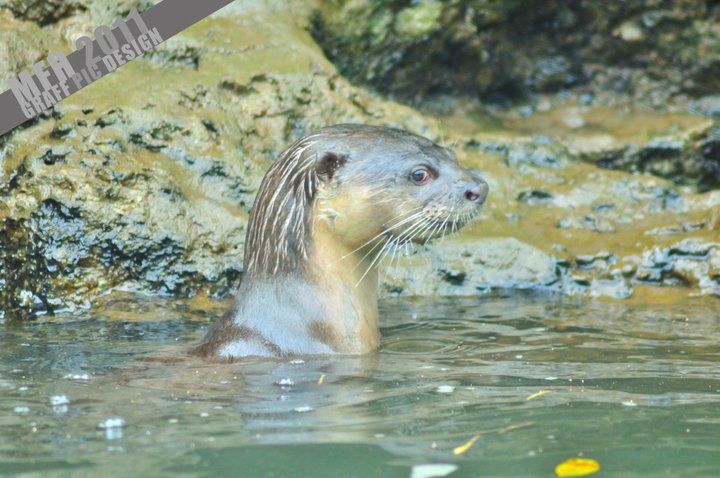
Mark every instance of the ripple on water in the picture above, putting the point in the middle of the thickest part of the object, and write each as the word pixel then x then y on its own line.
pixel 537 379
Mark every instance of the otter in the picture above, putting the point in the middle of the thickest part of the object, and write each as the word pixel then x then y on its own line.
pixel 327 211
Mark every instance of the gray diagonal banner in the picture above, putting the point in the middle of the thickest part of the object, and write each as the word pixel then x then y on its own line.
pixel 168 17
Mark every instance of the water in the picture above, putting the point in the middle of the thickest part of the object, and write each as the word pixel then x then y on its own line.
pixel 108 392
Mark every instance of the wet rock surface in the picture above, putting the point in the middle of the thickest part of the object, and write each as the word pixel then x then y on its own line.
pixel 507 50
pixel 144 180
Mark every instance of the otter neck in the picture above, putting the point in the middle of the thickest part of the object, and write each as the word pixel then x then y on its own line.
pixel 348 291
pixel 343 310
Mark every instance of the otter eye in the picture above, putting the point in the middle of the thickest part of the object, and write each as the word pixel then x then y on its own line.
pixel 420 176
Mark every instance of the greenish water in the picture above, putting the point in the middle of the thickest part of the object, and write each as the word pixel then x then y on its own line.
pixel 635 387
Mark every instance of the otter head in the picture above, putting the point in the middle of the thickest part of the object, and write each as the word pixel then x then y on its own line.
pixel 372 188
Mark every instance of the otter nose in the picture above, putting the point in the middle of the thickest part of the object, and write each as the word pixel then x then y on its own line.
pixel 478 192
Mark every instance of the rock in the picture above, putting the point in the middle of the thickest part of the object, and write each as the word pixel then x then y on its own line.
pixel 152 193
pixel 690 262
pixel 21 45
pixel 456 267
pixel 505 51
pixel 42 11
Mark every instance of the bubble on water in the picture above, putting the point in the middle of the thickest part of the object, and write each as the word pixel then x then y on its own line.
pixel 303 409
pixel 445 389
pixel 297 361
pixel 113 422
pixel 78 377
pixel 629 403
pixel 113 428
pixel 22 410
pixel 58 400
pixel 224 382
pixel 173 420
pixel 434 470
pixel 218 407
pixel 113 433
pixel 204 414
pixel 23 389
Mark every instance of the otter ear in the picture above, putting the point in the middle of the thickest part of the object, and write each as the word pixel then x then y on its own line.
pixel 327 165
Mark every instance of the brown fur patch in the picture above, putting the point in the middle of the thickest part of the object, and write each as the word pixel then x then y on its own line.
pixel 324 333
pixel 224 332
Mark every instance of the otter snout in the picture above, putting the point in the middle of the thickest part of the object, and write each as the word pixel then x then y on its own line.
pixel 477 190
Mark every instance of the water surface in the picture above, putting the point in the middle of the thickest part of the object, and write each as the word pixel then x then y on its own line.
pixel 538 378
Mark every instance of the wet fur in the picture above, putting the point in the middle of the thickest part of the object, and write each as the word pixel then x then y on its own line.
pixel 314 236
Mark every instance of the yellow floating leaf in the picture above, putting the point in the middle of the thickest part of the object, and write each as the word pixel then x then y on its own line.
pixel 538 394
pixel 577 467
pixel 321 379
pixel 465 446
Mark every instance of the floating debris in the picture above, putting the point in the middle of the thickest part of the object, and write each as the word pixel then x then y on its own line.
pixel 21 410
pixel 577 467
pixel 285 382
pixel 303 409
pixel 515 426
pixel 78 377
pixel 321 379
pixel 536 395
pixel 434 470
pixel 462 449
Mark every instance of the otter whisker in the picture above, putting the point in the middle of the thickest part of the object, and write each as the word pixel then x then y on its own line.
pixel 404 240
pixel 428 225
pixel 385 231
pixel 406 235
pixel 390 248
pixel 391 252
pixel 375 246
pixel 455 225
pixel 393 257
pixel 432 233
pixel 366 255
pixel 443 230
pixel 424 226
pixel 375 260
pixel 380 235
